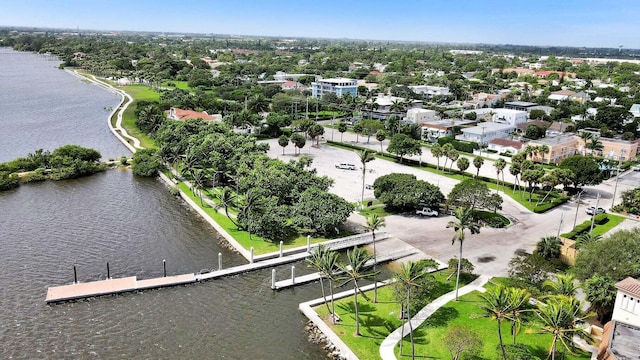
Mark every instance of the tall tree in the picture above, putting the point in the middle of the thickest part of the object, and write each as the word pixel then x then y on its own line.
pixel 600 291
pixel 519 306
pixel 409 275
pixel 564 284
pixel 497 304
pixel 356 269
pixel 283 141
pixel 462 164
pixel 226 199
pixel 560 317
pixel 499 165
pixel 437 152
pixel 374 222
pixel 464 220
pixel 365 156
pixel 317 260
pixel 381 136
pixel 477 163
pixel 342 128
pixel 402 145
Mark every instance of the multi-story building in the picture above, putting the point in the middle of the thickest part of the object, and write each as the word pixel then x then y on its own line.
pixel 509 116
pixel 611 148
pixel 485 132
pixel 338 86
pixel 622 334
pixel 435 129
pixel 560 147
pixel 428 91
pixel 419 116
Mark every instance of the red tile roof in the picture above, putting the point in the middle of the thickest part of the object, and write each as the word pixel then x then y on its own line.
pixel 183 115
pixel 505 142
pixel 629 285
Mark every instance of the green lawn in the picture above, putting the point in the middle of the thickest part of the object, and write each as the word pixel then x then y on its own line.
pixel 138 93
pixel 260 245
pixel 466 312
pixel 376 208
pixel 376 320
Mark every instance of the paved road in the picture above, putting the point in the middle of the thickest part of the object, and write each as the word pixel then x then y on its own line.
pixel 492 249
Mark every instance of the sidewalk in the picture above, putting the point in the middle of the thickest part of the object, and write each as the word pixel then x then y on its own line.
pixel 388 345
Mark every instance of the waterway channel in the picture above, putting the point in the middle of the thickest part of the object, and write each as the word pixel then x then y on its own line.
pixel 130 222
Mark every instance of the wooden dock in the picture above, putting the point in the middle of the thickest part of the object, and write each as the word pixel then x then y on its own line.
pixel 112 286
pixel 127 284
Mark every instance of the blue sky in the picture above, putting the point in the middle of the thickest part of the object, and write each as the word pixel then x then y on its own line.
pixel 606 23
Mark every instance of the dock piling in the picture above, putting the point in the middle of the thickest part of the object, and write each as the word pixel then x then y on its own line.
pixel 219 261
pixel 108 271
pixel 273 278
pixel 293 274
pixel 164 267
pixel 75 275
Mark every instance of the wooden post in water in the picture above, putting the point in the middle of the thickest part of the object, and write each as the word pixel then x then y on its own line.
pixel 75 275
pixel 219 261
pixel 164 267
pixel 108 271
pixel 273 278
pixel 293 274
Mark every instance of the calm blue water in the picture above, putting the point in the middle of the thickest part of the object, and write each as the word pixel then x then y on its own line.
pixel 133 223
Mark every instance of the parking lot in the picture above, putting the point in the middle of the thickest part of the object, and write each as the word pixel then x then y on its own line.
pixel 492 249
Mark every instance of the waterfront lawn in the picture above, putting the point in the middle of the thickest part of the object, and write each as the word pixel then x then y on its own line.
pixel 138 93
pixel 429 338
pixel 377 320
pixel 259 244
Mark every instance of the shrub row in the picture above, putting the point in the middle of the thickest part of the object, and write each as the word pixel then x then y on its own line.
pixel 494 220
pixel 463 146
pixel 586 226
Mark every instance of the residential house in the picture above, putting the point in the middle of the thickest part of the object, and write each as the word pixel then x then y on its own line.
pixel 635 110
pixel 482 114
pixel 338 86
pixel 518 71
pixel 581 97
pixel 184 115
pixel 589 114
pixel 614 149
pixel 502 145
pixel 481 100
pixel 622 334
pixel 435 129
pixel 519 105
pixel 384 103
pixel 292 85
pixel 561 95
pixel 547 109
pixel 544 74
pixel 283 76
pixel 484 132
pixel 419 116
pixel 428 91
pixel 560 147
pixel 522 127
pixel 509 116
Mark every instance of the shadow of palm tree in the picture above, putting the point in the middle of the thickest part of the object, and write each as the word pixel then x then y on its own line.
pixel 441 317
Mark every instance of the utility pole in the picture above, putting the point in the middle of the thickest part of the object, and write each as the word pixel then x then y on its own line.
pixel 577 207
pixel 595 212
pixel 615 188
pixel 560 226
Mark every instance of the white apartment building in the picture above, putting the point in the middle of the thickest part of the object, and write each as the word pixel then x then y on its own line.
pixel 485 132
pixel 419 116
pixel 428 91
pixel 509 116
pixel 338 86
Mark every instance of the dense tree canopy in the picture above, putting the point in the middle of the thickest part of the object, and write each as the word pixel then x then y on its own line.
pixel 585 170
pixel 405 191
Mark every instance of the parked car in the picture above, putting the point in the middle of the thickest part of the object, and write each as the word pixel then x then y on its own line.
pixel 425 211
pixel 636 168
pixel 368 187
pixel 591 210
pixel 345 166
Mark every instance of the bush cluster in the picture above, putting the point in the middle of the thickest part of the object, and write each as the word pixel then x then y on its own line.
pixel 463 146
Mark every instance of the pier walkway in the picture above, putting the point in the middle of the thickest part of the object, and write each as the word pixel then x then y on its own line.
pixel 114 286
pixel 316 276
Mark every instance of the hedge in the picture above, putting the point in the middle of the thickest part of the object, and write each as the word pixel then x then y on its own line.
pixel 463 146
pixel 586 226
pixel 494 220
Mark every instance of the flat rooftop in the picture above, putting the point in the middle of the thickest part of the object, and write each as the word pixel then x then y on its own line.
pixel 624 341
pixel 520 103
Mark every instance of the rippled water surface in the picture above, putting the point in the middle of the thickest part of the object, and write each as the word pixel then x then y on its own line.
pixel 133 224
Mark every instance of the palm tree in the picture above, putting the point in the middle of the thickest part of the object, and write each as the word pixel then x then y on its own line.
pixel 560 317
pixel 374 222
pixel 586 238
pixel 437 152
pixel 595 145
pixel 253 202
pixel 317 260
pixel 226 198
pixel 462 164
pixel 365 156
pixel 564 284
pixel 601 293
pixel 453 155
pixel 381 135
pixel 497 305
pixel 478 162
pixel 464 220
pixel 329 268
pixel 549 247
pixel 199 179
pixel 408 276
pixel 519 306
pixel 499 165
pixel 354 270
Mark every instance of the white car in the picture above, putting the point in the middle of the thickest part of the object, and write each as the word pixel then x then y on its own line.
pixel 425 211
pixel 636 168
pixel 591 210
pixel 345 166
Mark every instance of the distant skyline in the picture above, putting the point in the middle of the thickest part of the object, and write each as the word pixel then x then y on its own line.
pixel 577 23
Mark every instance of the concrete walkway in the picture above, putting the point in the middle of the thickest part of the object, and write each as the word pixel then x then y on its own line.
pixel 388 345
